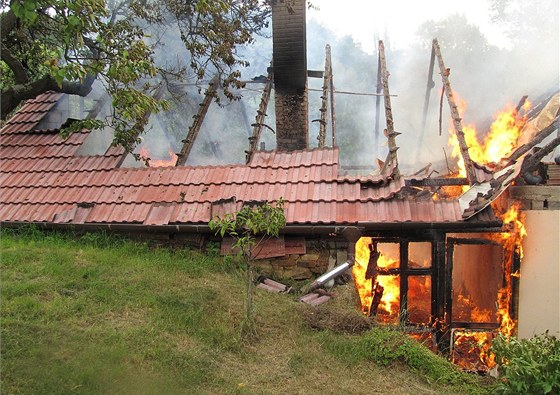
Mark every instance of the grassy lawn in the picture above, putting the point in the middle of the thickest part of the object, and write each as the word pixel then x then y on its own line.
pixel 96 314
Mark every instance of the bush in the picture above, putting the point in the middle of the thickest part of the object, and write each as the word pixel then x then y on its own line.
pixel 528 366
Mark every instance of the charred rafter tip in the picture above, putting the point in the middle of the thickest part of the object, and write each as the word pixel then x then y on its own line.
pixel 261 114
pixel 464 148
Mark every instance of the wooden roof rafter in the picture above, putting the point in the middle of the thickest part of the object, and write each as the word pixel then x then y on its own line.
pixel 392 161
pixel 261 114
pixel 327 91
pixel 457 124
pixel 188 142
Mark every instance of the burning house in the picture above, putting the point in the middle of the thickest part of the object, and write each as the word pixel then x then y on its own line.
pixel 439 255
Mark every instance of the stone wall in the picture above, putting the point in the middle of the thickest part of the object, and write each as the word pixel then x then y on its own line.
pixel 319 258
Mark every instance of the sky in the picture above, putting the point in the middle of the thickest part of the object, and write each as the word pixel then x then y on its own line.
pixel 366 19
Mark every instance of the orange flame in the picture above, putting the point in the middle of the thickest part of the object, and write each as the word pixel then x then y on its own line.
pixel 145 154
pixel 499 142
pixel 471 350
pixel 514 219
pixel 480 341
pixel 389 305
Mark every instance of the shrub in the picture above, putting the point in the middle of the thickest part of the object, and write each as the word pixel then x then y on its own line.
pixel 528 366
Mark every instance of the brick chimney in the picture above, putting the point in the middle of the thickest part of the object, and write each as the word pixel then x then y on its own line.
pixel 290 74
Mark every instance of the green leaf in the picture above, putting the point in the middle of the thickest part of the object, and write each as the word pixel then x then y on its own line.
pixel 30 5
pixel 74 21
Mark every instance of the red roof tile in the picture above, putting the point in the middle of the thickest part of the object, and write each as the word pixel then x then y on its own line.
pixel 41 179
pixel 28 117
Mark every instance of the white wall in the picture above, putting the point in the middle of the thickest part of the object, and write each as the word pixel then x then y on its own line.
pixel 539 288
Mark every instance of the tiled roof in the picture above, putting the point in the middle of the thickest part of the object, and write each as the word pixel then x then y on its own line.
pixel 42 180
pixel 28 117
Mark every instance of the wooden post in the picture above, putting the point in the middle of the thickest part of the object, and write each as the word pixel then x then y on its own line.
pixel 323 121
pixel 403 286
pixel 331 95
pixel 188 142
pixel 438 290
pixel 261 114
pixel 447 295
pixel 455 115
pixel 391 134
pixel 377 105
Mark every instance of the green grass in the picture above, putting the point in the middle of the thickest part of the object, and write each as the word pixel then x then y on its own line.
pixel 97 314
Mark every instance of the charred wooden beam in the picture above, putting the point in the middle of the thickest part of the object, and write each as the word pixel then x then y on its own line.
pixel 425 169
pixel 315 73
pixel 188 142
pixel 489 326
pixel 377 294
pixel 521 103
pixel 391 161
pixel 463 241
pixel 438 291
pixel 403 286
pixel 436 182
pixel 158 94
pixel 464 148
pixel 532 161
pixel 331 95
pixel 378 88
pixel 323 121
pixel 429 86
pixel 261 114
pixel 540 136
pixel 448 297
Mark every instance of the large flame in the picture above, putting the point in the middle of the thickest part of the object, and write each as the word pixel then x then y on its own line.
pixel 514 220
pixel 499 142
pixel 389 306
pixel 145 155
pixel 468 343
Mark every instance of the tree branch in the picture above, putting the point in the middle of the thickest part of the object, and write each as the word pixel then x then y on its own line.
pixel 14 95
pixel 15 65
pixel 8 22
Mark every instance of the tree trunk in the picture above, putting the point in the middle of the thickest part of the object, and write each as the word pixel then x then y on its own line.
pixel 250 292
